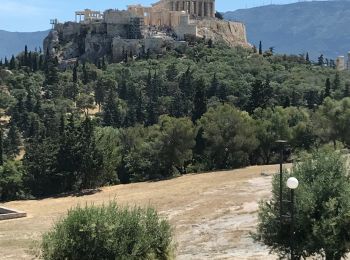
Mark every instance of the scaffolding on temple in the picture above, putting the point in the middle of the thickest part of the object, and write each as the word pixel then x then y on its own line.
pixel 53 23
pixel 136 27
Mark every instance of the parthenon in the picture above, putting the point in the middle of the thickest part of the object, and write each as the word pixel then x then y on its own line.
pixel 195 8
pixel 169 12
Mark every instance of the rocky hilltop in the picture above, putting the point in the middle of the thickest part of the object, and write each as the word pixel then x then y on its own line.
pixel 117 34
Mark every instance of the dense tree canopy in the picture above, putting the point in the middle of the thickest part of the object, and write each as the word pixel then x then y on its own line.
pixel 203 107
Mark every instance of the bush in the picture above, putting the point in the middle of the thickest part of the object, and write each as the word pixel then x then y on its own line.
pixel 109 232
pixel 11 181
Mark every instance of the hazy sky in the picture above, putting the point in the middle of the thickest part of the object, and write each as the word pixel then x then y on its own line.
pixel 34 15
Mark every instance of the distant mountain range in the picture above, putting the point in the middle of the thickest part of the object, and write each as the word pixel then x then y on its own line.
pixel 11 43
pixel 315 27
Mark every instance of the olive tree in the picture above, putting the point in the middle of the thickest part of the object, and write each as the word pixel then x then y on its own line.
pixel 322 210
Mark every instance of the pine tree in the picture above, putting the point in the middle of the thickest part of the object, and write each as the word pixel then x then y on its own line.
pixel 321 60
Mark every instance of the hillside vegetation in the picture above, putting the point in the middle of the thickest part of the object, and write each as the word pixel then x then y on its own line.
pixel 210 107
pixel 317 27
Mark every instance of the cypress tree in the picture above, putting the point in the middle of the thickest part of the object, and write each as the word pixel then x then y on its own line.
pixel 199 102
pixel 307 59
pixel 12 64
pixel 1 148
pixel 336 81
pixel 214 87
pixel 26 60
pixel 260 48
pixel 327 92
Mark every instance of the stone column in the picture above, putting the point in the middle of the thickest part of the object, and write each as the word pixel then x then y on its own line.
pixel 214 9
pixel 195 12
pixel 202 11
pixel 206 9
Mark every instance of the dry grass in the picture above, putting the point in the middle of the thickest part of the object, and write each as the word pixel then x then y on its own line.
pixel 212 213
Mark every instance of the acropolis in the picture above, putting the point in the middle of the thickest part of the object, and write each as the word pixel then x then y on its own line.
pixel 163 25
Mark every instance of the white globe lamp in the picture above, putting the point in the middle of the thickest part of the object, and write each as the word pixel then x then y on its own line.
pixel 292 183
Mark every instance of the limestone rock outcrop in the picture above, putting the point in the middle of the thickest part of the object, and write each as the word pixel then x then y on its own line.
pixel 232 33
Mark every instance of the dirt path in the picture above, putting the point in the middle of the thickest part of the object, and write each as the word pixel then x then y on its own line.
pixel 212 213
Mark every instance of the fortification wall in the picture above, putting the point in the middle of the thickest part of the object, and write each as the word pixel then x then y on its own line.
pixel 117 17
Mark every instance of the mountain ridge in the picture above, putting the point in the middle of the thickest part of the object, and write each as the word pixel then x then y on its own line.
pixel 11 43
pixel 318 27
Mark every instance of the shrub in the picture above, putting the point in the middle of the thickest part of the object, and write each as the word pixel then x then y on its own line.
pixel 11 181
pixel 109 232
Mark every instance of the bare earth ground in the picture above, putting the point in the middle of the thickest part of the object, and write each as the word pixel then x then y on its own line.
pixel 212 213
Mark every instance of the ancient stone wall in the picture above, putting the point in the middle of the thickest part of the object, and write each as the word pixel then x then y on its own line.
pixel 185 28
pixel 117 17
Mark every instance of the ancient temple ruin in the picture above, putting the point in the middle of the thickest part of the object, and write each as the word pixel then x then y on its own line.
pixel 139 29
pixel 168 12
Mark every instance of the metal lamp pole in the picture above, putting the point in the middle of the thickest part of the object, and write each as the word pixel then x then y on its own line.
pixel 292 184
pixel 281 144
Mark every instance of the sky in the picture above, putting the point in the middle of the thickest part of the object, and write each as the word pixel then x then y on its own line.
pixel 35 15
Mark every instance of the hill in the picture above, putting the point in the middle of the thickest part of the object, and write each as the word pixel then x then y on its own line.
pixel 314 27
pixel 212 213
pixel 14 42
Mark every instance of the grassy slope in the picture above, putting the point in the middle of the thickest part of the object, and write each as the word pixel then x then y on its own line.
pixel 212 213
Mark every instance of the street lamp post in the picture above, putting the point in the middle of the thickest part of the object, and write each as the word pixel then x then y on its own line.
pixel 281 144
pixel 292 184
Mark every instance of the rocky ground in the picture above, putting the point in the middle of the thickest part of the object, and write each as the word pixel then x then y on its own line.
pixel 213 213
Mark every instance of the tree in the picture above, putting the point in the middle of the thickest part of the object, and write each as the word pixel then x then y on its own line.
pixel 12 142
pixel 327 92
pixel 1 147
pixel 321 209
pixel 272 124
pixel 11 181
pixel 320 60
pixel 261 95
pixel 332 121
pixel 199 102
pixel 336 81
pixel 109 232
pixel 260 48
pixel 229 135
pixel 108 145
pixel 176 142
pixel 219 15
pixel 307 59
